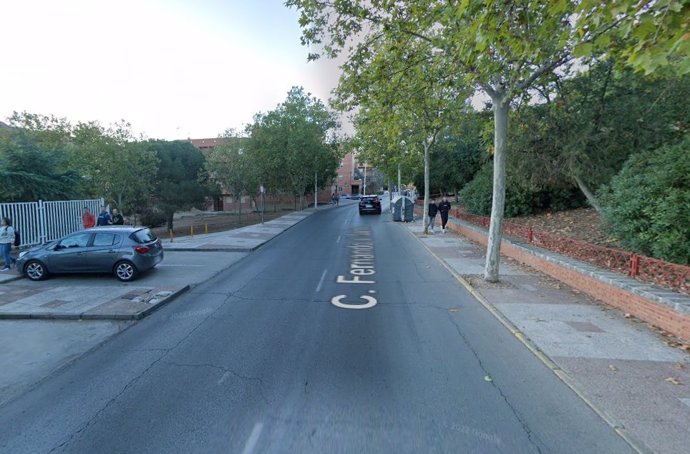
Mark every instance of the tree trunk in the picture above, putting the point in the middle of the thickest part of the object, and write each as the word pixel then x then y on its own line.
pixel 588 194
pixel 425 214
pixel 239 211
pixel 501 107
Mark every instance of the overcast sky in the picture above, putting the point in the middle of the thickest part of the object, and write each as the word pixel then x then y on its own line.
pixel 172 68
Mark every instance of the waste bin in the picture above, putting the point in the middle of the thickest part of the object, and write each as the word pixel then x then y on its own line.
pixel 400 214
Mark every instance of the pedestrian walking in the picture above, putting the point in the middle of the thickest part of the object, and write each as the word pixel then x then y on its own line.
pixel 104 217
pixel 444 208
pixel 6 241
pixel 433 210
pixel 87 218
pixel 117 218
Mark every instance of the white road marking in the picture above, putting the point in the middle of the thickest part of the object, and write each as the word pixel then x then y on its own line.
pixel 223 378
pixel 318 287
pixel 371 302
pixel 338 240
pixel 253 438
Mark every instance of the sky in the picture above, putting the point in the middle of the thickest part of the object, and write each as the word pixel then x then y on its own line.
pixel 173 69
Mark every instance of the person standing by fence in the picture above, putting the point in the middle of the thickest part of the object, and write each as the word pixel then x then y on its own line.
pixel 117 217
pixel 88 219
pixel 104 217
pixel 6 241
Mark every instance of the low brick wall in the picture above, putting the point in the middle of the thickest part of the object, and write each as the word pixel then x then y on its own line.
pixel 658 314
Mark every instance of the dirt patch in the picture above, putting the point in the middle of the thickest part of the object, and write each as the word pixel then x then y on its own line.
pixel 200 222
pixel 583 224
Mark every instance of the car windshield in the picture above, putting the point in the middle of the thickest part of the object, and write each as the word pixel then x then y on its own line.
pixel 143 236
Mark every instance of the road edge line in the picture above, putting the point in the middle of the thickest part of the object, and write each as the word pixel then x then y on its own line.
pixel 618 428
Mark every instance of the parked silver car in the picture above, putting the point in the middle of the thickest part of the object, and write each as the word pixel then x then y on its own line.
pixel 123 251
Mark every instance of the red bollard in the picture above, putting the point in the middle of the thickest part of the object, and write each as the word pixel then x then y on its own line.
pixel 634 265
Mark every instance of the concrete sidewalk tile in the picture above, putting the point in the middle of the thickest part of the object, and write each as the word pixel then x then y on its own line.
pixel 547 325
pixel 637 394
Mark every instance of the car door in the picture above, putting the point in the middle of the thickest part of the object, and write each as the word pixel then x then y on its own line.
pixel 70 254
pixel 103 252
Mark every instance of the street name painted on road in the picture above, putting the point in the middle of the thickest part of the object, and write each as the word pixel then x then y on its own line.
pixel 361 269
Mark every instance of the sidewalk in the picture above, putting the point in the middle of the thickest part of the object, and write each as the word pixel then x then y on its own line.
pixel 134 300
pixel 622 367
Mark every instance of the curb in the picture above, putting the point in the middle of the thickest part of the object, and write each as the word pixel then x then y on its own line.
pixel 543 357
pixel 218 249
pixel 237 249
pixel 86 316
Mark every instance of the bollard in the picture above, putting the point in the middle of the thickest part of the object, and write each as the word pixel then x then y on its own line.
pixel 170 234
pixel 206 228
pixel 634 265
pixel 191 231
pixel 530 235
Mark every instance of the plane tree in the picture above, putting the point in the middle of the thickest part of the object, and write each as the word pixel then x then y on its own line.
pixel 294 144
pixel 501 48
pixel 229 165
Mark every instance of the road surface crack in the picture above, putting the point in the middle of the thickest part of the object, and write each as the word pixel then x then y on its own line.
pixel 530 435
pixel 134 381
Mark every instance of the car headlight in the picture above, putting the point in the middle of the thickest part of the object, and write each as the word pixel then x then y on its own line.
pixel 22 254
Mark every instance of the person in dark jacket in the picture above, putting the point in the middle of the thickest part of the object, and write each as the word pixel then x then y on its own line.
pixel 444 208
pixel 433 210
pixel 117 217
pixel 103 218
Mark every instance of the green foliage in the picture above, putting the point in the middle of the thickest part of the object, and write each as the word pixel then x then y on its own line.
pixel 30 172
pixel 651 36
pixel 647 205
pixel 476 195
pixel 181 179
pixel 589 125
pixel 521 198
pixel 60 160
pixel 459 154
pixel 113 164
pixel 152 218
pixel 291 143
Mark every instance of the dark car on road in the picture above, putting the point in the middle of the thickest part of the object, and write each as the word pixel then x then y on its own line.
pixel 123 251
pixel 369 204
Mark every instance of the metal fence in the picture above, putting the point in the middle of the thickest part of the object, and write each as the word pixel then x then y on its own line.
pixel 40 222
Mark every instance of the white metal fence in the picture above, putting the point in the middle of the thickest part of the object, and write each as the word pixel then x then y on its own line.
pixel 40 222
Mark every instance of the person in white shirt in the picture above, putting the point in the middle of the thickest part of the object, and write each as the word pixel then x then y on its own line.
pixel 6 241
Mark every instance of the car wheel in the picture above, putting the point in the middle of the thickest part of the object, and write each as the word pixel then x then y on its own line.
pixel 125 271
pixel 35 270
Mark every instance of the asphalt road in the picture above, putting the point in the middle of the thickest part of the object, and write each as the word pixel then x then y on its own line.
pixel 276 355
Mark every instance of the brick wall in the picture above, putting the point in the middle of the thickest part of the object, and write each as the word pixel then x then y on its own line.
pixel 657 314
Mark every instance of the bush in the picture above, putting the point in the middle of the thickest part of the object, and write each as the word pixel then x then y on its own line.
pixel 477 195
pixel 647 205
pixel 152 218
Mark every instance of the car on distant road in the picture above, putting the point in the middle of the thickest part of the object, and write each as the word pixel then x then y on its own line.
pixel 124 251
pixel 354 196
pixel 369 204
